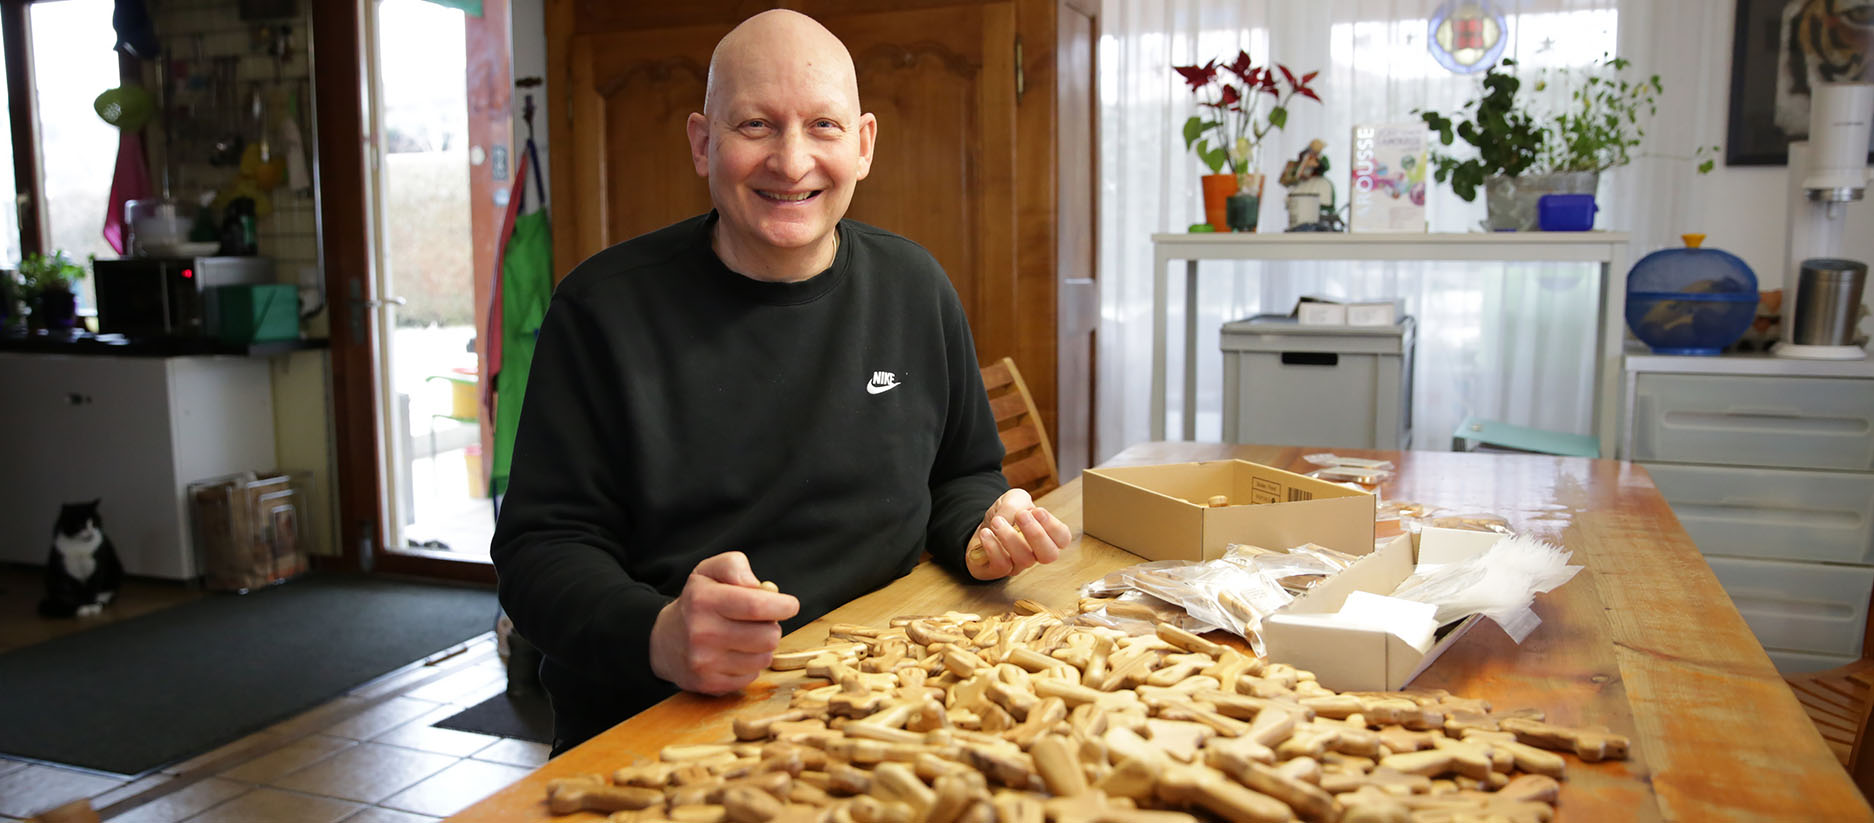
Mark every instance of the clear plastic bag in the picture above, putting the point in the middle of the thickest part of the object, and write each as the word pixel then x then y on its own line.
pixel 1403 510
pixel 1115 583
pixel 1414 517
pixel 1325 459
pixel 1359 470
pixel 1234 592
pixel 1351 474
pixel 1334 558
pixel 1500 584
pixel 1473 521
pixel 1294 570
pixel 1138 613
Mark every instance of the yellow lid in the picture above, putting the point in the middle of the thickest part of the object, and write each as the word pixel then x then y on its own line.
pixel 1692 241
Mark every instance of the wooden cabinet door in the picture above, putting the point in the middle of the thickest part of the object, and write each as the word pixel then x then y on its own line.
pixel 90 427
pixel 942 83
pixel 132 432
pixel 631 93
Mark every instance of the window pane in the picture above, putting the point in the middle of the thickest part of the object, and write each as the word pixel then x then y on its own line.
pixel 73 63
pixel 9 207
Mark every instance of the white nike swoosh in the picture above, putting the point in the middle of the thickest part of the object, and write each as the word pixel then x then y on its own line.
pixel 873 388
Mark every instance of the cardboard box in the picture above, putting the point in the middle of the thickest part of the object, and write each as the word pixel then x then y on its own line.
pixel 1376 312
pixel 1321 313
pixel 255 313
pixel 1388 176
pixel 1348 658
pixel 1160 512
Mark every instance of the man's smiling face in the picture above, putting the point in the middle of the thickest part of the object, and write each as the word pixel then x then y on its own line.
pixel 783 143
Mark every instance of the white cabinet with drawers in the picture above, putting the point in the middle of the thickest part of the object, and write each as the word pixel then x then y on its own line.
pixel 1769 465
pixel 132 431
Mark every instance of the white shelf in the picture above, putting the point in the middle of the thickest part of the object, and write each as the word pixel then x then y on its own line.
pixel 1561 246
pixel 1760 365
pixel 1607 250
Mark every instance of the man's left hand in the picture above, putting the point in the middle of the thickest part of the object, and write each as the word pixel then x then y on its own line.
pixel 1015 534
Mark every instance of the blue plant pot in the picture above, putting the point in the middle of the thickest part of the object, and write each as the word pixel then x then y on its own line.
pixel 1566 212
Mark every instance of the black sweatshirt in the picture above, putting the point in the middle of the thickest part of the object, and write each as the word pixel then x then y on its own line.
pixel 832 429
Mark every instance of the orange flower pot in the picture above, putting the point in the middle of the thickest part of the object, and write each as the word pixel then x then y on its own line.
pixel 1217 190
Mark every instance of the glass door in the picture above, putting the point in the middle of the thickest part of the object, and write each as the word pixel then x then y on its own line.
pixel 438 174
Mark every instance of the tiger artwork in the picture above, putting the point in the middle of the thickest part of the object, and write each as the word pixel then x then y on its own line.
pixel 1822 41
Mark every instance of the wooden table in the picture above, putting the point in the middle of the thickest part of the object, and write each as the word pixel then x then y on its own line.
pixel 1643 641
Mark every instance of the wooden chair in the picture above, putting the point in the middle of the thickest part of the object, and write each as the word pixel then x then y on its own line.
pixel 1839 702
pixel 1029 459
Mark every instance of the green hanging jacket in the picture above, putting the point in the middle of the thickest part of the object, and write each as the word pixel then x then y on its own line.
pixel 526 286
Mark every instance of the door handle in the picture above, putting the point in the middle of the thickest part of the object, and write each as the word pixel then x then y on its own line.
pixel 359 303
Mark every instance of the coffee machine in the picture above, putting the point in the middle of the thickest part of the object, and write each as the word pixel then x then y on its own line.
pixel 1827 172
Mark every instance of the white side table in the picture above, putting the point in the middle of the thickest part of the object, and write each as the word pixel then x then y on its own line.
pixel 1609 249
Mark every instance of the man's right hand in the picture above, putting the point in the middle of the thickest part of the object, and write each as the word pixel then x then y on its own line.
pixel 722 631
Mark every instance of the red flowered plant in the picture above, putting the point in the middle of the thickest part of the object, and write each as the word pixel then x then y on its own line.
pixel 1236 113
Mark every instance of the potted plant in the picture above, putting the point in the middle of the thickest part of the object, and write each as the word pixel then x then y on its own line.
pixel 47 285
pixel 1231 132
pixel 1523 155
pixel 1507 139
pixel 1602 122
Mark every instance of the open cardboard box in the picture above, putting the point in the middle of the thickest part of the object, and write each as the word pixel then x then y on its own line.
pixel 1160 512
pixel 1349 658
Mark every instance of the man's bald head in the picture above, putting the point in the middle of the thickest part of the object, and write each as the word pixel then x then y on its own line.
pixel 778 45
pixel 783 142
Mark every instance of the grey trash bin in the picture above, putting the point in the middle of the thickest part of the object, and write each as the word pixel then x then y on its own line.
pixel 1286 384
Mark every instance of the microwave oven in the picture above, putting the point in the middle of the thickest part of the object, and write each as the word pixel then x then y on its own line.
pixel 144 297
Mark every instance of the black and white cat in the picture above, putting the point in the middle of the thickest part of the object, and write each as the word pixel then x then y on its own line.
pixel 82 572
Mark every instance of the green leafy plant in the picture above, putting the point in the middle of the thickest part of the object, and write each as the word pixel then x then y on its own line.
pixel 1599 128
pixel 1232 131
pixel 1509 141
pixel 40 274
pixel 1604 119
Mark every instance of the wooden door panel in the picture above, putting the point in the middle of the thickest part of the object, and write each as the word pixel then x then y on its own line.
pixel 921 180
pixel 633 92
pixel 942 90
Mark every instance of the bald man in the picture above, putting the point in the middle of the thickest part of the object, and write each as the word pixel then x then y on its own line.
pixel 766 392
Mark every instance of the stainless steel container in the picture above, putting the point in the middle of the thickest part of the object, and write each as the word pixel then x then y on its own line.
pixel 1828 301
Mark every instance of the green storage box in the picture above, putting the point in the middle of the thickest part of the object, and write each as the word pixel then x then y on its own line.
pixel 256 313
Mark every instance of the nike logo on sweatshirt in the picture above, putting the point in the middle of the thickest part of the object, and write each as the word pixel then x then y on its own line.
pixel 881 382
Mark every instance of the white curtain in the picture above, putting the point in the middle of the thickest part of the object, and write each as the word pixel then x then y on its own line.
pixel 1507 341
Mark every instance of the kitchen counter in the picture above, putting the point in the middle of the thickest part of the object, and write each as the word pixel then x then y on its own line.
pixel 117 345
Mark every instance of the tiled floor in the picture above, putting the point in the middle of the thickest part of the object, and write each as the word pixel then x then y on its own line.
pixel 368 756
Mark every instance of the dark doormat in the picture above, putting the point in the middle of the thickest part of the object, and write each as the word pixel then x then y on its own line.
pixel 526 718
pixel 137 695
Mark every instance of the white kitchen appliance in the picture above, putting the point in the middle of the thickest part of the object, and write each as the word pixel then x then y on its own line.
pixel 1826 173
